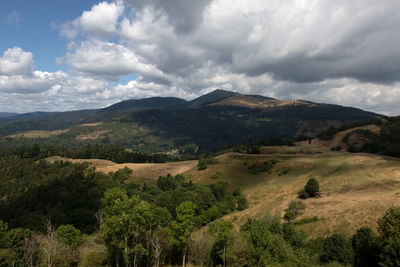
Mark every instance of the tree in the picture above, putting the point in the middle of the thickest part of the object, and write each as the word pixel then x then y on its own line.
pixel 337 248
pixel 294 209
pixel 222 231
pixel 15 242
pixel 311 189
pixel 183 226
pixel 289 216
pixel 70 238
pixel 390 256
pixel 389 229
pixel 389 225
pixel 202 164
pixel 365 247
pixel 293 237
pixel 160 241
pixel 125 221
pixel 199 249
pixel 51 244
pixel 242 203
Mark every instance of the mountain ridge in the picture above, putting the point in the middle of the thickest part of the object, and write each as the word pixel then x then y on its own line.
pixel 208 123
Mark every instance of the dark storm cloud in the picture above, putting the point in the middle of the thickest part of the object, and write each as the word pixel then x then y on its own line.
pixel 343 51
pixel 183 14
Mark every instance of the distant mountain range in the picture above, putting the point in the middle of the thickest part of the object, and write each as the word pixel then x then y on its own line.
pixel 167 124
pixel 7 115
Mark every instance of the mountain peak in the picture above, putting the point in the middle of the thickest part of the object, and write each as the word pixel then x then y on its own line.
pixel 211 97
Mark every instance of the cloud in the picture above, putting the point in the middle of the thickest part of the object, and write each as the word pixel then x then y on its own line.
pixel 184 15
pixel 100 22
pixel 109 60
pixel 15 61
pixel 13 18
pixel 344 52
pixel 101 19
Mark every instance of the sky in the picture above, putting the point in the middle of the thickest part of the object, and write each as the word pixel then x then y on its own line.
pixel 58 55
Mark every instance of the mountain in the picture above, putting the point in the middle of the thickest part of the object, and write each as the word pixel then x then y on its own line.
pixel 148 103
pixel 212 97
pixel 7 115
pixel 166 124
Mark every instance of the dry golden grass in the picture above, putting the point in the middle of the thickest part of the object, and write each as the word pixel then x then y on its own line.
pixel 142 172
pixel 357 189
pixel 38 134
pixel 92 135
pixel 47 134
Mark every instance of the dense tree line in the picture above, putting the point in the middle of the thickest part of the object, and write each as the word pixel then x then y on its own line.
pixel 113 153
pixel 137 233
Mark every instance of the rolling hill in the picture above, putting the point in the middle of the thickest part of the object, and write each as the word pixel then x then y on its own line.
pixel 211 122
pixel 356 188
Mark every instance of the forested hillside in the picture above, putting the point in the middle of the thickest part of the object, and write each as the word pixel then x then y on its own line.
pixel 211 122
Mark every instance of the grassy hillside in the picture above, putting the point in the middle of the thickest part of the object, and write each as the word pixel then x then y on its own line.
pixel 356 189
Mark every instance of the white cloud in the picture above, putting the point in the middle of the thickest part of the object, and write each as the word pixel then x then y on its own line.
pixel 109 60
pixel 15 61
pixel 102 18
pixel 343 52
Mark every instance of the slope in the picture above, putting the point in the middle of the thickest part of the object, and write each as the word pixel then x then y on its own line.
pixel 356 188
pixel 211 122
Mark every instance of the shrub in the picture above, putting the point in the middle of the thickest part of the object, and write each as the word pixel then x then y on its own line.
pixel 296 207
pixel 365 247
pixel 266 166
pixel 391 254
pixel 389 225
pixel 242 203
pixel 202 165
pixel 312 187
pixel 337 248
pixel 303 194
pixel 289 216
pixel 94 258
pixel 306 220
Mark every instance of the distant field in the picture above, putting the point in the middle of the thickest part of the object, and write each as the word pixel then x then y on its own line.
pixel 142 172
pixel 48 134
pixel 38 134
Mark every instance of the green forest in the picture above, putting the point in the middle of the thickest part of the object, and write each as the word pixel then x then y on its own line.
pixel 64 214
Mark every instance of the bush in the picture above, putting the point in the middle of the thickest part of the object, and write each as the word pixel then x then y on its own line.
pixel 202 165
pixel 337 248
pixel 365 247
pixel 94 258
pixel 306 220
pixel 391 254
pixel 389 225
pixel 312 187
pixel 303 194
pixel 266 166
pixel 242 203
pixel 296 207
pixel 289 216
